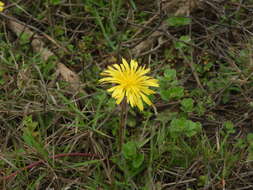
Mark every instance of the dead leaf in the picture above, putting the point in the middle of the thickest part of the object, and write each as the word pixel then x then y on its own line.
pixel 69 76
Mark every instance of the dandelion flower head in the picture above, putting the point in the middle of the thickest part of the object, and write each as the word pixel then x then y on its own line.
pixel 1 6
pixel 130 82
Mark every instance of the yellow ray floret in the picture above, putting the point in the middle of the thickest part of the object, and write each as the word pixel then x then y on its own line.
pixel 1 6
pixel 130 82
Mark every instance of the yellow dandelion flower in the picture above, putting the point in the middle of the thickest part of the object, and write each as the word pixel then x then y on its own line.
pixel 130 82
pixel 1 6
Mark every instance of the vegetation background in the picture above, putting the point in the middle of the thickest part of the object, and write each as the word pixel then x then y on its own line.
pixel 58 125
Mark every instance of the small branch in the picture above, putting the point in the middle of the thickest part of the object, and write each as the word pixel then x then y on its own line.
pixel 34 164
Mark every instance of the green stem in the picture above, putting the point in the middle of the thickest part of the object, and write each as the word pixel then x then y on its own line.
pixel 122 125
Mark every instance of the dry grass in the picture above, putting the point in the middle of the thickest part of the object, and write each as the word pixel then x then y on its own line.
pixel 58 125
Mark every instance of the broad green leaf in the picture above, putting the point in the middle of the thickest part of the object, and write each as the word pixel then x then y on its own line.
pixel 55 2
pixel 192 128
pixel 185 127
pixel 129 150
pixel 24 38
pixel 138 160
pixel 229 127
pixel 170 74
pixel 187 105
pixel 250 138
pixel 180 44
pixel 173 92
pixel 178 21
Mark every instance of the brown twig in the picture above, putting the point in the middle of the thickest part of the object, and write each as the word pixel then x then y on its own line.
pixel 34 164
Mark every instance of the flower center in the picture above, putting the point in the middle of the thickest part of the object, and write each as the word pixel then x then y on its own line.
pixel 129 82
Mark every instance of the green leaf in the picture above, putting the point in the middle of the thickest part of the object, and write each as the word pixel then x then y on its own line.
pixel 166 116
pixel 24 38
pixel 131 121
pixel 177 126
pixel 250 138
pixel 185 127
pixel 240 143
pixel 180 44
pixel 170 74
pixel 187 105
pixel 30 139
pixel 192 128
pixel 29 123
pixel 173 92
pixel 200 108
pixel 229 126
pixel 178 21
pixel 55 2
pixel 165 95
pixel 138 160
pixel 203 179
pixel 129 150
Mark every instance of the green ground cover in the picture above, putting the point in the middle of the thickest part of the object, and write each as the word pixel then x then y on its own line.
pixel 59 126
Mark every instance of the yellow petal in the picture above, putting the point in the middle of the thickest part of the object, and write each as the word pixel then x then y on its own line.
pixel 120 98
pixel 112 89
pixel 117 67
pixel 134 65
pixel 142 71
pixel 125 65
pixel 147 91
pixel 139 104
pixel 130 98
pixel 146 99
pixel 131 82
pixel 117 91
pixel 151 82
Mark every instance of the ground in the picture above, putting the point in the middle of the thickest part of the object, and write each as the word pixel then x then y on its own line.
pixel 59 127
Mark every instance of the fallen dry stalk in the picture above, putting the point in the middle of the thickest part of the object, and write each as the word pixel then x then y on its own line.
pixel 39 47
